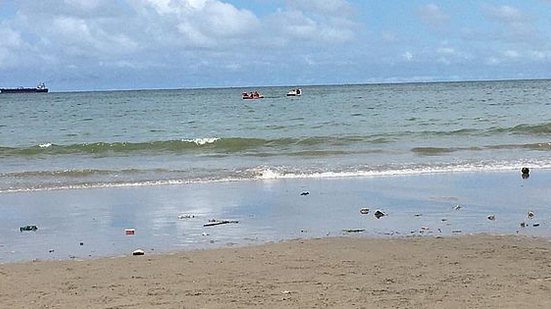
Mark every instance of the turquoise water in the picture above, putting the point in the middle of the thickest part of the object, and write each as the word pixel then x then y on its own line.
pixel 125 138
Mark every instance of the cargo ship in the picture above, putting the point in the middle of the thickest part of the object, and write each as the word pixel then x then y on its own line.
pixel 39 88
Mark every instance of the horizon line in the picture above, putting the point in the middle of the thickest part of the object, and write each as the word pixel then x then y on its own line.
pixel 405 82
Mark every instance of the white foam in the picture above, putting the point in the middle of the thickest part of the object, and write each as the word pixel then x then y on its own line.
pixel 263 173
pixel 202 141
pixel 271 173
pixel 45 145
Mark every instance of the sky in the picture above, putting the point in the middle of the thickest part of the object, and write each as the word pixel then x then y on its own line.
pixel 136 44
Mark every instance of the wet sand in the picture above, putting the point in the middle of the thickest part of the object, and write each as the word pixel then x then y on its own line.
pixel 480 271
pixel 288 250
pixel 91 223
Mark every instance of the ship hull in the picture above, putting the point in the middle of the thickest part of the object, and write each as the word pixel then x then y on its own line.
pixel 22 90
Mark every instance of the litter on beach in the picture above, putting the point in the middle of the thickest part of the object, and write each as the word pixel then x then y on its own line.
pixel 353 230
pixel 129 231
pixel 378 214
pixel 214 222
pixel 28 228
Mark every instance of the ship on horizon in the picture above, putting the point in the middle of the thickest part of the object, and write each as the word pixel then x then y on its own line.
pixel 39 88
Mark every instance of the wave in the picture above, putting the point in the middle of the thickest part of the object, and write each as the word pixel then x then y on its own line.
pixel 520 129
pixel 527 129
pixel 432 150
pixel 91 179
pixel 209 144
pixel 435 151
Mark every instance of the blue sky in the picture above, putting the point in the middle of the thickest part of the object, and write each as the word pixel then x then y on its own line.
pixel 131 44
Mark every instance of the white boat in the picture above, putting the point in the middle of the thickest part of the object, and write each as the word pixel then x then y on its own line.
pixel 294 92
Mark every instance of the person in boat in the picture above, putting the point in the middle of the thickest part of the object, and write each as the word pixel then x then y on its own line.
pixel 256 94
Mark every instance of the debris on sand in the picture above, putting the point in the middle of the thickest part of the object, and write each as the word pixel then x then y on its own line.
pixel 129 232
pixel 181 217
pixel 213 222
pixel 304 193
pixel 491 217
pixel 530 215
pixel 378 214
pixel 525 172
pixel 364 211
pixel 28 228
pixel 457 207
pixel 138 252
pixel 353 230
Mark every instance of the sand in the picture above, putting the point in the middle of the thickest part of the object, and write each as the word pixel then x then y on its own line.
pixel 480 271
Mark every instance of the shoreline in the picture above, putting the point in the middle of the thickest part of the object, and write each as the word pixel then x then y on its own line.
pixel 474 271
pixel 273 175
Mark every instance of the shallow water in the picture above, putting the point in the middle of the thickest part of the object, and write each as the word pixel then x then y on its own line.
pixel 268 210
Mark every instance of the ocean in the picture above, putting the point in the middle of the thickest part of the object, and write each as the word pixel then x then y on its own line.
pixel 436 158
pixel 155 137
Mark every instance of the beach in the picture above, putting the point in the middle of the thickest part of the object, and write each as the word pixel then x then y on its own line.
pixel 479 271
pixel 445 240
pixel 362 196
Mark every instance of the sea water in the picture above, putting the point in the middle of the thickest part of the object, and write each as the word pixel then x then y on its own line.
pixel 84 166
pixel 127 138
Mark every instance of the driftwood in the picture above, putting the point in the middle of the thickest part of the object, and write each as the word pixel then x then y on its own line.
pixel 218 222
pixel 353 230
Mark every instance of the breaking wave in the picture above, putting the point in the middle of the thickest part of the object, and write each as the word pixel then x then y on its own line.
pixel 31 181
pixel 209 144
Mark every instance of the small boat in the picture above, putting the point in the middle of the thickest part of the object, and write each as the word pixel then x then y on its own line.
pixel 294 92
pixel 251 95
pixel 39 88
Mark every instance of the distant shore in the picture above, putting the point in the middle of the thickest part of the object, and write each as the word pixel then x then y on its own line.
pixel 478 271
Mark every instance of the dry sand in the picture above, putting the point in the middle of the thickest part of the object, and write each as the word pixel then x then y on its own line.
pixel 458 272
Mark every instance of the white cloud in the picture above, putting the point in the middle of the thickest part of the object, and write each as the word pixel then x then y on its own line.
pixel 505 14
pixel 539 55
pixel 511 54
pixel 11 46
pixel 156 35
pixel 493 61
pixel 319 22
pixel 433 15
pixel 10 38
pixel 389 37
pixel 294 27
pixel 517 23
pixel 336 8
